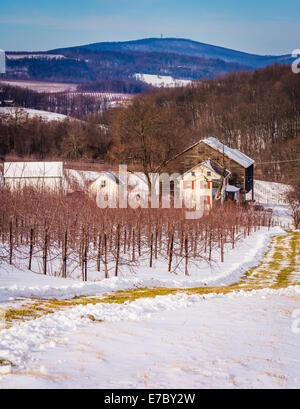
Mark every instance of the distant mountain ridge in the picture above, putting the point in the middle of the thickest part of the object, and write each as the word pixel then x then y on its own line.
pixel 184 47
pixel 113 66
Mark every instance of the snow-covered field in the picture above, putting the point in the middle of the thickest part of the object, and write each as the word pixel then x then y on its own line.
pixel 71 89
pixel 32 113
pixel 35 56
pixel 40 86
pixel 161 80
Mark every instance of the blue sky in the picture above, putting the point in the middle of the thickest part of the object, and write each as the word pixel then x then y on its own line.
pixel 260 26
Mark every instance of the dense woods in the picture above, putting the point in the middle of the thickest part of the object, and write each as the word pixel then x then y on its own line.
pixel 25 137
pixel 258 113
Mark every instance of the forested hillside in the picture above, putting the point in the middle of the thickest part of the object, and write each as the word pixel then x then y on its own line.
pixel 184 47
pixel 258 113
pixel 90 67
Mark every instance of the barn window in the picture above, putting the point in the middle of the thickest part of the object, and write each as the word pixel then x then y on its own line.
pixel 208 173
pixel 103 183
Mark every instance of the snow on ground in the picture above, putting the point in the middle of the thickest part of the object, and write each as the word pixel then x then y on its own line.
pixel 237 340
pixel 33 113
pixel 40 86
pixel 270 192
pixel 271 196
pixel 79 179
pixel 35 56
pixel 161 80
pixel 15 283
pixel 109 96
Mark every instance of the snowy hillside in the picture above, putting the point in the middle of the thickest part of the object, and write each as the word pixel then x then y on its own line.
pixel 33 113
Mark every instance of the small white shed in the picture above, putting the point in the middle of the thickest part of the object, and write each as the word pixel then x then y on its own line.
pixel 108 183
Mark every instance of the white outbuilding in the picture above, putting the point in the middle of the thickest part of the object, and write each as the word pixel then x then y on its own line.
pixel 108 184
pixel 38 175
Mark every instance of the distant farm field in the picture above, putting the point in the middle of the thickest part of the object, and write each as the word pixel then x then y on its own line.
pixel 71 89
pixel 39 86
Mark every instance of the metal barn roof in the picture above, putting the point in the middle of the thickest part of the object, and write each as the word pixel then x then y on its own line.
pixel 233 154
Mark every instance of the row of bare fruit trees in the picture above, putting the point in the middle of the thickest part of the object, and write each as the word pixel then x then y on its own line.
pixel 71 237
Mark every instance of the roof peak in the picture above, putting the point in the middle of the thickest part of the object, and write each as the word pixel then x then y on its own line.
pixel 233 154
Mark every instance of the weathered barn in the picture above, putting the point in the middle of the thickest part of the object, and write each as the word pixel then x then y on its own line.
pixel 39 175
pixel 241 167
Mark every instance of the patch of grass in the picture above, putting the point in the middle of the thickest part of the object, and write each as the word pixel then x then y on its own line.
pixel 20 314
pixel 283 277
pixel 120 297
pixel 277 255
pixel 6 362
pixel 274 265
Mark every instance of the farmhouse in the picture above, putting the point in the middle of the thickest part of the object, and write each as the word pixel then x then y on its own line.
pixel 39 175
pixel 240 166
pixel 206 179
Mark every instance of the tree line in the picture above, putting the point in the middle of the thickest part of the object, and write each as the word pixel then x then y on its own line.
pixel 257 113
pixel 36 138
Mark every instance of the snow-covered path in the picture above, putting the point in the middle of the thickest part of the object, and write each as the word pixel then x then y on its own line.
pixel 192 339
pixel 232 341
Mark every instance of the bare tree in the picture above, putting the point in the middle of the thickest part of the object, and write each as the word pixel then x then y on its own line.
pixel 293 199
